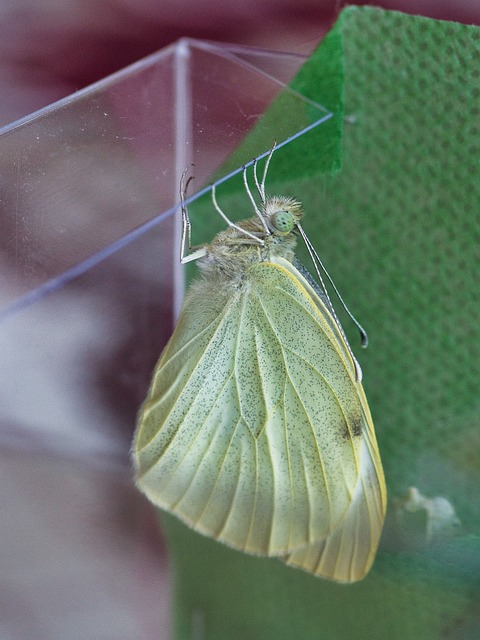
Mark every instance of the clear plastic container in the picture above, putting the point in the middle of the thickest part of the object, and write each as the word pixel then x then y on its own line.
pixel 89 278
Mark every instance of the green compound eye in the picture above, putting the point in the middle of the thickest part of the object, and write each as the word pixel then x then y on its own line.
pixel 282 221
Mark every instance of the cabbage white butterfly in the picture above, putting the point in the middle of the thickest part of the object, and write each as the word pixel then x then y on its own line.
pixel 256 430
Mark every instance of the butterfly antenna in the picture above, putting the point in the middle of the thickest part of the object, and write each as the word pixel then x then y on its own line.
pixel 318 263
pixel 250 195
pixel 316 259
pixel 261 187
pixel 257 183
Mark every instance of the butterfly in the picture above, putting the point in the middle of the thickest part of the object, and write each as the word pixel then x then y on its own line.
pixel 256 430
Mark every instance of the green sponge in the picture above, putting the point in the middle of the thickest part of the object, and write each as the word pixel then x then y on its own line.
pixel 398 227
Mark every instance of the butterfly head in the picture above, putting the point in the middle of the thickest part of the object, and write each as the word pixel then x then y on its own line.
pixel 282 214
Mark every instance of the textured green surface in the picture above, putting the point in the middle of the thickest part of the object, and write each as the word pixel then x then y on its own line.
pixel 398 228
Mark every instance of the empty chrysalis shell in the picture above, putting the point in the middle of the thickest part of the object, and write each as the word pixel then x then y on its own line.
pixel 256 430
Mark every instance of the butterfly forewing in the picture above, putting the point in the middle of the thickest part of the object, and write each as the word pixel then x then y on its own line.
pixel 256 430
pixel 252 429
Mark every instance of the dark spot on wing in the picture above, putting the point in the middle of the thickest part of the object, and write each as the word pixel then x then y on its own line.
pixel 352 428
pixel 356 426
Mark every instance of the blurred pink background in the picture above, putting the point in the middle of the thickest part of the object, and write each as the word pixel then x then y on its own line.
pixel 50 48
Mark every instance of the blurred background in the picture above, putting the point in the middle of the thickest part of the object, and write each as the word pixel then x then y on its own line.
pixel 50 48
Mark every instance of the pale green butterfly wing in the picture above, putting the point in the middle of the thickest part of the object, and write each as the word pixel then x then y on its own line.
pixel 347 554
pixel 255 430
